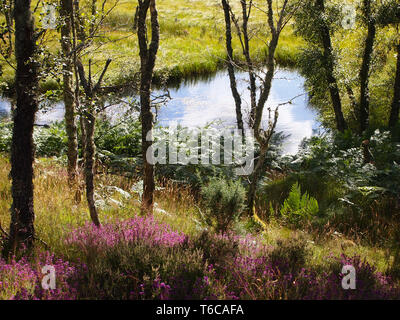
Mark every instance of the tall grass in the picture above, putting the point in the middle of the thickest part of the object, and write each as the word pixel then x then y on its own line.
pixel 192 42
pixel 58 213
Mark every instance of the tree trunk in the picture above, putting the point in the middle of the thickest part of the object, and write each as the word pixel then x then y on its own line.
pixel 79 23
pixel 90 150
pixel 69 96
pixel 366 67
pixel 264 136
pixel 22 229
pixel 148 170
pixel 230 66
pixel 251 194
pixel 9 25
pixel 265 91
pixel 88 118
pixel 83 136
pixel 329 65
pixel 394 114
pixel 249 61
pixel 147 59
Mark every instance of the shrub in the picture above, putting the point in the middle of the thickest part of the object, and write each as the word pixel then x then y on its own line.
pixel 89 237
pixel 142 259
pixel 224 201
pixel 262 278
pixel 140 270
pixel 52 141
pixel 121 139
pixel 21 279
pixel 49 141
pixel 217 250
pixel 289 255
pixel 299 207
pixel 370 284
pixel 138 259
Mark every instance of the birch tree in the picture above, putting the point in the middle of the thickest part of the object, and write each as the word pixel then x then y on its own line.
pixel 277 18
pixel 148 53
pixel 22 230
pixel 66 12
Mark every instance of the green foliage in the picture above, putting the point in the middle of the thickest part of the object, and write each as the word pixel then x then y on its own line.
pixel 298 207
pixel 118 144
pixel 114 141
pixel 195 175
pixel 5 136
pixel 225 201
pixel 352 195
pixel 310 21
pixel 324 189
pixel 341 157
pixel 347 53
pixel 122 138
pixel 389 13
pixel 51 141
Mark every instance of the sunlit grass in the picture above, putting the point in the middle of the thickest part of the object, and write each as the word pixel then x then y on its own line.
pixel 192 41
pixel 323 246
pixel 57 212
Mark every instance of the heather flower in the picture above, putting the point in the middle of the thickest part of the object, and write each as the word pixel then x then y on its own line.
pixel 142 259
pixel 111 234
pixel 21 280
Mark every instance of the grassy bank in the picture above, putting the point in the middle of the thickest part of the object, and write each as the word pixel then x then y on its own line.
pixel 192 43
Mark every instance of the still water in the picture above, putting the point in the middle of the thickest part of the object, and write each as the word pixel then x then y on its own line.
pixel 196 103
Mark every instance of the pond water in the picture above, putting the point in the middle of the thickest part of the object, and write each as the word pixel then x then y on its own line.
pixel 196 103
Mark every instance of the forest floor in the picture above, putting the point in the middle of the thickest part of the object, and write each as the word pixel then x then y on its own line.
pixel 58 213
pixel 172 255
